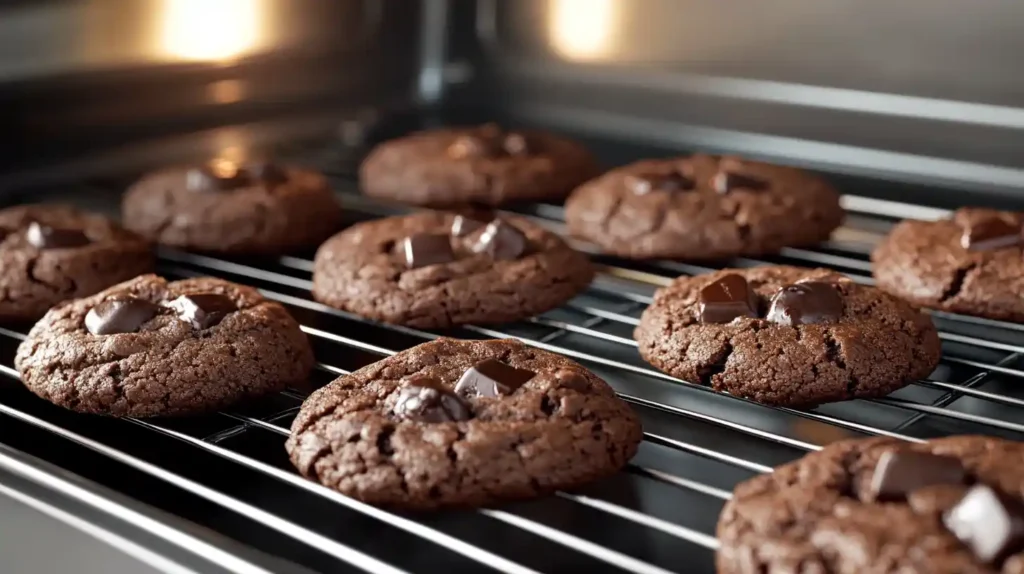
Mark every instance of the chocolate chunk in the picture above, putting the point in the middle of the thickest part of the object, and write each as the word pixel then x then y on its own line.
pixel 4 233
pixel 644 184
pixel 490 378
pixel 989 234
pixel 46 237
pixel 727 181
pixel 989 522
pixel 464 225
pixel 900 472
pixel 726 299
pixel 267 172
pixel 203 310
pixel 219 175
pixel 425 249
pixel 516 144
pixel 500 240
pixel 119 315
pixel 425 399
pixel 806 303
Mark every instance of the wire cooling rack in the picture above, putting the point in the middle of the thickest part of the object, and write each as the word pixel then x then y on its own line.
pixel 229 472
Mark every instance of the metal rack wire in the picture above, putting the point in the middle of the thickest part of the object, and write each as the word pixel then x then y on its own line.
pixel 658 516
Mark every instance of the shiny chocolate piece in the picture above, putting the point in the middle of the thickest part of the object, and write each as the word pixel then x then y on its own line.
pixel 267 172
pixel 806 303
pixel 426 400
pixel 491 378
pixel 726 299
pixel 727 181
pixel 464 225
pixel 516 144
pixel 990 234
pixel 46 237
pixel 989 522
pixel 218 175
pixel 124 314
pixel 203 310
pixel 425 249
pixel 500 240
pixel 670 182
pixel 900 472
pixel 473 146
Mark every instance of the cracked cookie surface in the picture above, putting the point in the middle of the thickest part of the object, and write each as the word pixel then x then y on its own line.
pixel 683 208
pixel 470 165
pixel 33 279
pixel 819 514
pixel 296 211
pixel 561 428
pixel 363 270
pixel 926 263
pixel 167 366
pixel 877 344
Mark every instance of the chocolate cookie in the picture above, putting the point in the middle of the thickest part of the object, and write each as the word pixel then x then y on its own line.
pixel 462 423
pixel 478 165
pixel 702 207
pixel 224 207
pixel 433 270
pixel 786 336
pixel 49 253
pixel 147 347
pixel 952 505
pixel 971 263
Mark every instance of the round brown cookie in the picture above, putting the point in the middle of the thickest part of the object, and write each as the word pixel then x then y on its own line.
pixel 461 271
pixel 475 165
pixel 702 207
pixel 786 336
pixel 147 347
pixel 971 263
pixel 255 208
pixel 462 423
pixel 50 253
pixel 882 506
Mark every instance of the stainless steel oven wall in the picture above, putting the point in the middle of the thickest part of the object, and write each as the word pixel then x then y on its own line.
pixel 925 92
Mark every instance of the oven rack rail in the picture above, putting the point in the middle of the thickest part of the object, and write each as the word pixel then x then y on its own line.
pixel 623 290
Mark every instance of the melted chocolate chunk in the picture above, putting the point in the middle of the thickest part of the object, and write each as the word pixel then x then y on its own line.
pixel 670 182
pixel 267 172
pixel 464 225
pixel 203 310
pixel 726 299
pixel 989 234
pixel 4 233
pixel 120 315
pixel 426 249
pixel 900 472
pixel 500 240
pixel 727 181
pixel 989 522
pixel 424 399
pixel 217 176
pixel 805 303
pixel 46 237
pixel 490 378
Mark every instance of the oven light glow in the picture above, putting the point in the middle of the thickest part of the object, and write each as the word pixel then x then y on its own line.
pixel 583 29
pixel 211 30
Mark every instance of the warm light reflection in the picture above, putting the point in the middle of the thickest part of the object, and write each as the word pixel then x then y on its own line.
pixel 583 29
pixel 224 168
pixel 211 30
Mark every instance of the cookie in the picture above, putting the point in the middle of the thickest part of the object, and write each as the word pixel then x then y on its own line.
pixel 462 423
pixel 434 270
pixel 952 505
pixel 702 207
pixel 971 263
pixel 50 253
pixel 786 336
pixel 148 347
pixel 224 207
pixel 482 165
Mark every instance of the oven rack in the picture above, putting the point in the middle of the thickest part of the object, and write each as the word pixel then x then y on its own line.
pixel 657 516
